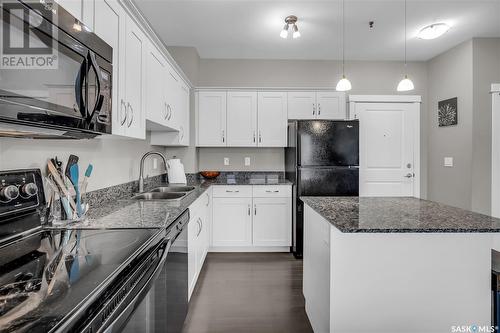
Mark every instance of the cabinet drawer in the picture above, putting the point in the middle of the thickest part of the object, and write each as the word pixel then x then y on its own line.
pixel 232 191
pixel 272 191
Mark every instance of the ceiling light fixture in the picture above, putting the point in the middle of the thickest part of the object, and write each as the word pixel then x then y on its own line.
pixel 344 84
pixel 433 31
pixel 406 84
pixel 290 21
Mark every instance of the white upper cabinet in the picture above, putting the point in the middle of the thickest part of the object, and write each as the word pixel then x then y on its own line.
pixel 211 119
pixel 272 119
pixel 301 104
pixel 241 119
pixel 133 98
pixel 156 104
pixel 327 105
pixel 109 24
pixel 330 105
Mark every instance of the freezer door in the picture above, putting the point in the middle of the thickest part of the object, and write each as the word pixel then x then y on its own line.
pixel 328 181
pixel 328 143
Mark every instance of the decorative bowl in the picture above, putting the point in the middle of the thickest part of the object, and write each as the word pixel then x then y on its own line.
pixel 209 174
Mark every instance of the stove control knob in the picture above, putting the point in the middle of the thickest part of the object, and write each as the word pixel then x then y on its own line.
pixel 8 193
pixel 28 190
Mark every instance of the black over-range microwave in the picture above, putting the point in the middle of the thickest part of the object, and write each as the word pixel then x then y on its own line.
pixel 55 74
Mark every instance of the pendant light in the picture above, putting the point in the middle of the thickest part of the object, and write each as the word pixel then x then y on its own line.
pixel 406 84
pixel 344 84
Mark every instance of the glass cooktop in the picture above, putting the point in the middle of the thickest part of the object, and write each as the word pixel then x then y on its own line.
pixel 48 275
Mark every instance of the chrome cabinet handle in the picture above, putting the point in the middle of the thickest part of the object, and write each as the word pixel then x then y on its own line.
pixel 200 227
pixel 181 130
pixel 123 114
pixel 269 191
pixel 208 200
pixel 254 209
pixel 249 210
pixel 165 111
pixel 260 137
pixel 129 108
pixel 223 137
pixel 169 109
pixel 254 135
pixel 230 191
pixel 319 109
pixel 314 109
pixel 410 175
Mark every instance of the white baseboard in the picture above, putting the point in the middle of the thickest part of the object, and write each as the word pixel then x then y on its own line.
pixel 249 249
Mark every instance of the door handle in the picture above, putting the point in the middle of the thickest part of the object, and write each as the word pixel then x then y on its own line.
pixel 99 96
pixel 223 137
pixel 410 175
pixel 131 114
pixel 319 109
pixel 249 210
pixel 122 113
pixel 254 209
pixel 254 135
pixel 260 137
pixel 79 86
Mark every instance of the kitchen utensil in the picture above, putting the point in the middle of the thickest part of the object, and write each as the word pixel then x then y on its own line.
pixel 85 181
pixel 72 159
pixel 175 171
pixel 62 187
pixel 75 174
pixel 210 174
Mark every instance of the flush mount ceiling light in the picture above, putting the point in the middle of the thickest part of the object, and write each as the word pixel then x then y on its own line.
pixel 290 22
pixel 344 84
pixel 406 84
pixel 433 31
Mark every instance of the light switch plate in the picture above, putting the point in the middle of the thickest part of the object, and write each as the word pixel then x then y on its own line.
pixel 226 160
pixel 247 161
pixel 448 162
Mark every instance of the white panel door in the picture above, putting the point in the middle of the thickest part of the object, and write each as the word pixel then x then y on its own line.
pixel 330 105
pixel 272 222
pixel 134 80
pixel 242 118
pixel 211 119
pixel 301 105
pixel 192 242
pixel 174 95
pixel 389 148
pixel 109 24
pixel 272 119
pixel 232 222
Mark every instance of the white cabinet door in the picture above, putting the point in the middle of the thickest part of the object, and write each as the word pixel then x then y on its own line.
pixel 193 228
pixel 272 222
pixel 301 104
pixel 211 119
pixel 272 119
pixel 232 222
pixel 242 118
pixel 173 98
pixel 331 105
pixel 156 106
pixel 184 115
pixel 109 24
pixel 134 80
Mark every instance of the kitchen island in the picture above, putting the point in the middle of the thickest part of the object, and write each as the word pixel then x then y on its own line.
pixel 396 265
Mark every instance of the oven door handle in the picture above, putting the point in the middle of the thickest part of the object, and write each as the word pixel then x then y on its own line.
pixel 79 86
pixel 121 319
pixel 99 96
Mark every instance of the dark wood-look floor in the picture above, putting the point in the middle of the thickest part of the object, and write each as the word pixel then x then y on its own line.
pixel 248 292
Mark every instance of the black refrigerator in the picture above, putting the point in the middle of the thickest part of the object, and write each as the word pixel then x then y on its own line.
pixel 322 159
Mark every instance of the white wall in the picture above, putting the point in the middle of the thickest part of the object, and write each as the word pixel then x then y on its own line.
pixel 115 160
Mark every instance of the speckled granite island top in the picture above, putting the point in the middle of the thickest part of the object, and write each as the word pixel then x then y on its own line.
pixel 387 215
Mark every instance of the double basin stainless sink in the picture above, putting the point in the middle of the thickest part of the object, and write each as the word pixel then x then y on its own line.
pixel 167 193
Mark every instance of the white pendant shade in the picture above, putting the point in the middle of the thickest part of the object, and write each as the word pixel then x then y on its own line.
pixel 433 31
pixel 406 84
pixel 344 84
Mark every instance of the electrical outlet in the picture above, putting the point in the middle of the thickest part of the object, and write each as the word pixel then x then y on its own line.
pixel 448 162
pixel 247 161
pixel 226 160
pixel 155 163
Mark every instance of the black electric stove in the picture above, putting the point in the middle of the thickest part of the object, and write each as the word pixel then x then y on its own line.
pixel 67 280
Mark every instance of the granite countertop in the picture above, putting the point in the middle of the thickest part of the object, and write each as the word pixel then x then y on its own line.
pixel 123 212
pixel 387 215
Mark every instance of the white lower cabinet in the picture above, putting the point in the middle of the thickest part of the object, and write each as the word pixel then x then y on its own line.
pixel 198 237
pixel 232 222
pixel 272 221
pixel 247 218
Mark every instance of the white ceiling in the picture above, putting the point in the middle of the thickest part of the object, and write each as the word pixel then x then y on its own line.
pixel 249 29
